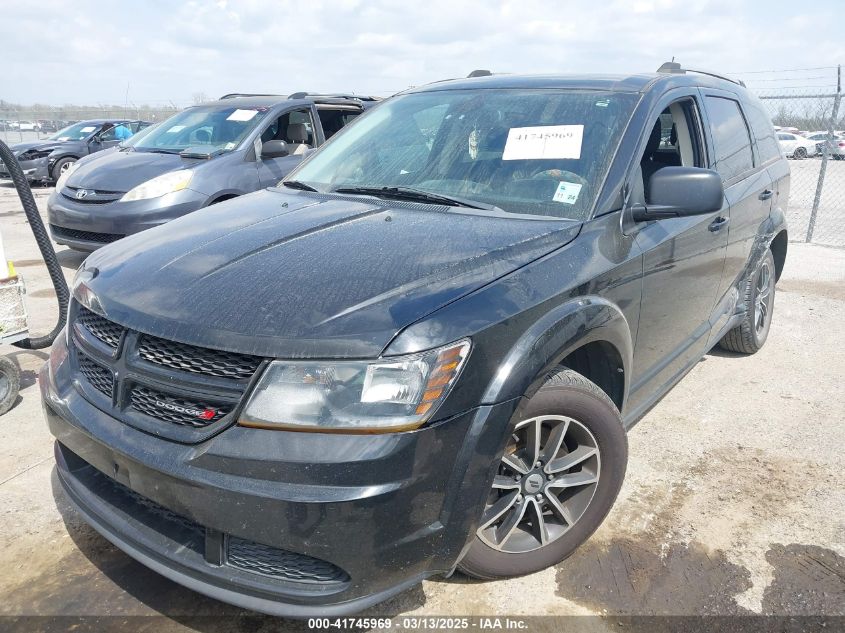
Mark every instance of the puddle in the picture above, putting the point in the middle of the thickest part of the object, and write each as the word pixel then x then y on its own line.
pixel 808 580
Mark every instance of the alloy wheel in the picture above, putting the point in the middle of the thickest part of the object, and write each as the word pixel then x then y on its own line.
pixel 546 480
pixel 762 297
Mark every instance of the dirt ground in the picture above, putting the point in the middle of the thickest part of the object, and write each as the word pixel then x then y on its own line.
pixel 734 501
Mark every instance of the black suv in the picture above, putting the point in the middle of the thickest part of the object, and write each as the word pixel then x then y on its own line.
pixel 422 350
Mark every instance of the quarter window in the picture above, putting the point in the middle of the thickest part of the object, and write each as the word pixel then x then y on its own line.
pixel 732 143
pixel 764 133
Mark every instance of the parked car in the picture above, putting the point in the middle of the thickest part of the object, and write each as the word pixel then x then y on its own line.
pixel 835 144
pixel 47 159
pixel 49 126
pixel 795 146
pixel 201 156
pixel 27 126
pixel 416 355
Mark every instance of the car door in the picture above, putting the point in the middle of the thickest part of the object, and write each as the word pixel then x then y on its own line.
pixel 748 191
pixel 272 170
pixel 683 259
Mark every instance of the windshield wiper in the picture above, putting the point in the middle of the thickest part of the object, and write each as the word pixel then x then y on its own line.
pixel 297 184
pixel 416 195
pixel 163 151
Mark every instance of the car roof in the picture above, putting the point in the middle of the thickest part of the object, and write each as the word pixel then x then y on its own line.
pixel 269 101
pixel 101 121
pixel 612 83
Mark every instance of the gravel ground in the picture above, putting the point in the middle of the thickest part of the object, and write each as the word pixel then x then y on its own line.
pixel 734 501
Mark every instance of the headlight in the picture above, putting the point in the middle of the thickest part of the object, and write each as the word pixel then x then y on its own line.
pixel 79 290
pixel 63 178
pixel 160 186
pixel 380 396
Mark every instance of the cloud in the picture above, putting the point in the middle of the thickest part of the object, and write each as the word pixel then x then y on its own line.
pixel 90 50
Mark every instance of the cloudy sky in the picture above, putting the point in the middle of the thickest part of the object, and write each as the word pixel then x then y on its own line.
pixel 91 52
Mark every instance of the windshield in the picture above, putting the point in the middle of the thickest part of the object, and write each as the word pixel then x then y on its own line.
pixel 213 127
pixel 76 132
pixel 533 152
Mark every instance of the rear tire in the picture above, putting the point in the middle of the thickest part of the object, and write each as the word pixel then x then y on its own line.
pixel 10 383
pixel 62 165
pixel 561 498
pixel 799 153
pixel 751 334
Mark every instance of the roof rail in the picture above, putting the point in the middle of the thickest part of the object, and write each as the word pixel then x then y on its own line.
pixel 332 95
pixel 235 95
pixel 674 68
pixel 479 73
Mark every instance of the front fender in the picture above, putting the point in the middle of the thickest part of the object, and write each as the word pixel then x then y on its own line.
pixel 554 336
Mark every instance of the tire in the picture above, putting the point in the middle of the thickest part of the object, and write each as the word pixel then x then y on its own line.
pixel 751 334
pixel 569 405
pixel 10 383
pixel 799 153
pixel 61 165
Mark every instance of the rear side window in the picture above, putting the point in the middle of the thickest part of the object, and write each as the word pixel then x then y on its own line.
pixel 730 137
pixel 764 132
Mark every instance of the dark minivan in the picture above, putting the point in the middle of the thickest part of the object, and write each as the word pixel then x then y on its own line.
pixel 423 350
pixel 198 157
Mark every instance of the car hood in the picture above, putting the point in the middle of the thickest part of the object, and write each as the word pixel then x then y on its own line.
pixel 123 170
pixel 308 275
pixel 19 148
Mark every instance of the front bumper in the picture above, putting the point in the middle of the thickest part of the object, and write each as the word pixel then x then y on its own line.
pixel 35 170
pixel 385 510
pixel 88 226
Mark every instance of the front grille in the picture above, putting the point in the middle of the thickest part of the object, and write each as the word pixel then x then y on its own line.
pixel 91 196
pixel 103 329
pixel 170 389
pixel 198 360
pixel 176 409
pixel 85 236
pixel 281 564
pixel 100 378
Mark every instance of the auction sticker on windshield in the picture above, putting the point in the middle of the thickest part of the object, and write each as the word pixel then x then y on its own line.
pixel 567 192
pixel 242 115
pixel 545 141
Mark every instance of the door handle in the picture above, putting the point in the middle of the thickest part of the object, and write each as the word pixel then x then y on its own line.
pixel 718 224
pixel 766 194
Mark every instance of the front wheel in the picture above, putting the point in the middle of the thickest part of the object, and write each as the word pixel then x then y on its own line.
pixel 61 166
pixel 560 473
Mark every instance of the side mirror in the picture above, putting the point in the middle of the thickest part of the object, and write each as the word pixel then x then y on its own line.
pixel 274 149
pixel 676 192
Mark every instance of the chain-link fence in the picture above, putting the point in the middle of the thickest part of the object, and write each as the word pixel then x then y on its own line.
pixel 812 135
pixel 30 123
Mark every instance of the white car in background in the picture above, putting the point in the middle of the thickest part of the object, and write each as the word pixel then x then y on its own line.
pixel 835 143
pixel 795 146
pixel 27 126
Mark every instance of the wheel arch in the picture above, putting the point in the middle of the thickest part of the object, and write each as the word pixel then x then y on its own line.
pixel 589 335
pixel 779 246
pixel 223 197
